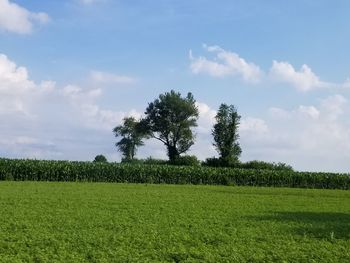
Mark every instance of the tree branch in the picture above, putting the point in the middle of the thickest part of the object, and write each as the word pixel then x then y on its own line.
pixel 160 139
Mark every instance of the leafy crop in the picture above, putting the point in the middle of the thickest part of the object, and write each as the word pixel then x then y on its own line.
pixel 103 222
pixel 35 170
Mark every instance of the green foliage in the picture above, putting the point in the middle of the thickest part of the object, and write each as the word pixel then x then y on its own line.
pixel 187 160
pixel 258 165
pixel 132 137
pixel 221 162
pixel 225 133
pixel 132 161
pixel 99 222
pixel 266 166
pixel 35 170
pixel 148 160
pixel 100 159
pixel 154 161
pixel 212 162
pixel 169 119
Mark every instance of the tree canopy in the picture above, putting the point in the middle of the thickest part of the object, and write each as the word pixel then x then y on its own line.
pixel 225 133
pixel 169 119
pixel 100 159
pixel 132 137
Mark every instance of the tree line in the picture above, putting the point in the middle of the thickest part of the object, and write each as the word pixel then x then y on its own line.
pixel 170 119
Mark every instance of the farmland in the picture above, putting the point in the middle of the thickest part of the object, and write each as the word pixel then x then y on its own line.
pixel 37 170
pixel 101 222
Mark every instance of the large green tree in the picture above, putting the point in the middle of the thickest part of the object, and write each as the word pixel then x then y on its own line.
pixel 132 137
pixel 169 119
pixel 225 133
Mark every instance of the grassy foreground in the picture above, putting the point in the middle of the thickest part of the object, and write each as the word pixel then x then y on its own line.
pixel 100 222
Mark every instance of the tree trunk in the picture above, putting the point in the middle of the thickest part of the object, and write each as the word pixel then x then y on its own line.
pixel 173 153
pixel 132 151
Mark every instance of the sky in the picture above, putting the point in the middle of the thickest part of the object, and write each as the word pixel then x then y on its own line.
pixel 71 70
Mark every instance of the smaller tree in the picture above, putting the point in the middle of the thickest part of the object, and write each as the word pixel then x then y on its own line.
pixel 225 133
pixel 132 137
pixel 100 159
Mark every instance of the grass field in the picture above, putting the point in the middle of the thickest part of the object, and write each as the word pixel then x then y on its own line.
pixel 98 222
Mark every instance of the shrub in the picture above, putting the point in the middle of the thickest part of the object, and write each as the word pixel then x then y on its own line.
pixel 266 166
pixel 132 161
pixel 154 161
pixel 187 160
pixel 258 165
pixel 221 162
pixel 100 159
pixel 212 162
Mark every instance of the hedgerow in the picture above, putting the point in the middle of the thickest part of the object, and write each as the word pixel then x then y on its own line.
pixel 40 170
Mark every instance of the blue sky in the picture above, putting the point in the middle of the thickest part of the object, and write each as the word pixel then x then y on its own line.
pixel 70 70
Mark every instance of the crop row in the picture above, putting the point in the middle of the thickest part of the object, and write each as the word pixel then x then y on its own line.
pixel 37 170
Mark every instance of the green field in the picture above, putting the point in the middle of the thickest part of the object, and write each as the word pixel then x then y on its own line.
pixel 101 222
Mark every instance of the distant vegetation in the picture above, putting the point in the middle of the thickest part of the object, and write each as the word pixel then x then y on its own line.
pixel 260 165
pixel 132 137
pixel 225 134
pixel 100 159
pixel 170 119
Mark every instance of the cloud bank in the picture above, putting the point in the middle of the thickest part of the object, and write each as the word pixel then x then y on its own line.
pixel 226 63
pixel 41 120
pixel 17 19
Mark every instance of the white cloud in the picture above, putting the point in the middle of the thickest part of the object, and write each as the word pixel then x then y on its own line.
pixel 308 137
pixel 255 125
pixel 206 118
pixel 303 80
pixel 94 117
pixel 224 64
pixel 14 18
pixel 29 147
pixel 277 113
pixel 41 120
pixel 13 79
pixel 334 106
pixel 18 94
pixel 346 84
pixel 310 111
pixel 106 119
pixel 302 112
pixel 227 63
pixel 79 96
pixel 106 77
pixel 16 88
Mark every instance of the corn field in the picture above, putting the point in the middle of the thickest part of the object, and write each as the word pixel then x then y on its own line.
pixel 38 170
